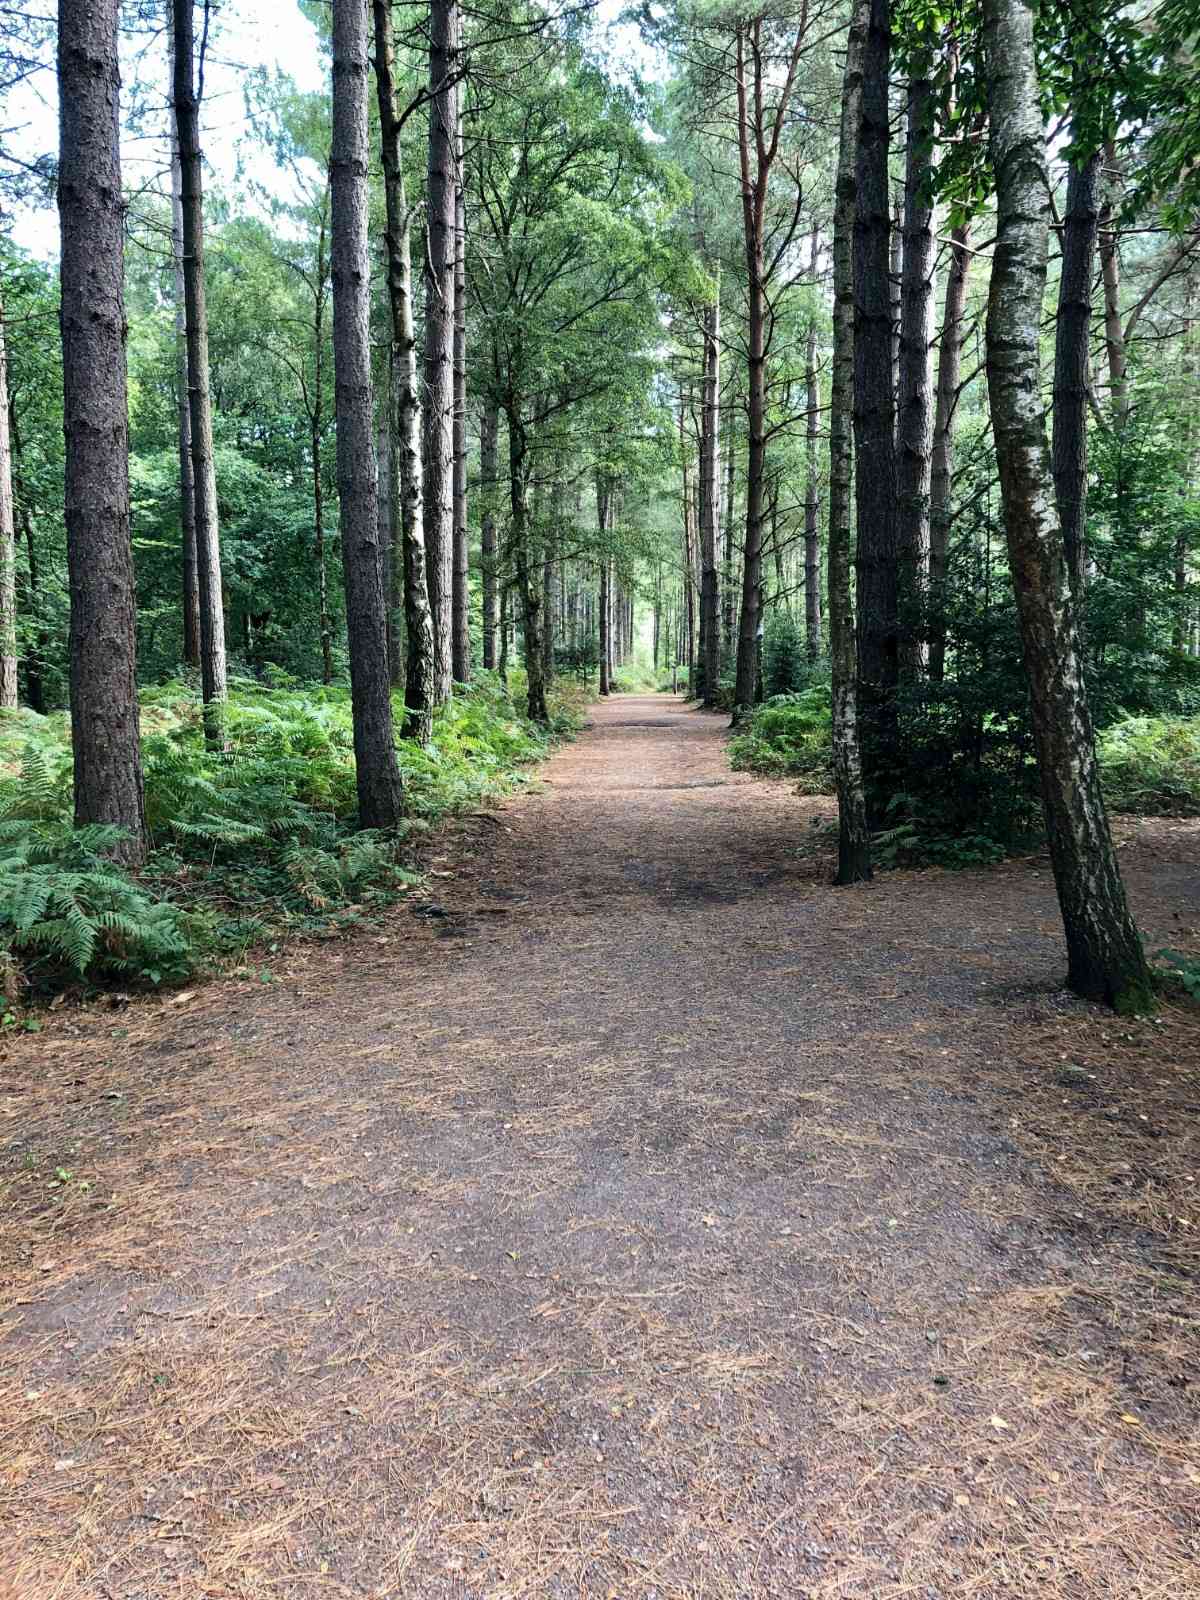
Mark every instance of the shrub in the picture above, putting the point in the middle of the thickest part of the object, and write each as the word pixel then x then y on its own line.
pixel 788 736
pixel 1152 765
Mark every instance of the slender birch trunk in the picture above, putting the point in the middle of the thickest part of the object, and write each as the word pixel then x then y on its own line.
pixel 460 634
pixel 489 435
pixel 187 479
pixel 1105 956
pixel 941 482
pixel 418 622
pixel 380 794
pixel 440 256
pixel 188 89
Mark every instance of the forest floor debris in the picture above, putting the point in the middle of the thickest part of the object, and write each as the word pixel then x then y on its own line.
pixel 689 1230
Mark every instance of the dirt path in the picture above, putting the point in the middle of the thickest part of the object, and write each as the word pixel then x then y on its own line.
pixel 656 1223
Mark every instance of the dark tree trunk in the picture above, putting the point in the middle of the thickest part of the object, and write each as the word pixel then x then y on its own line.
pixel 103 678
pixel 527 584
pixel 440 256
pixel 391 553
pixel 942 475
pixel 316 450
pixel 854 840
pixel 208 539
pixel 380 795
pixel 1106 959
pixel 812 485
pixel 1072 360
pixel 187 479
pixel 1110 271
pixel 8 540
pixel 460 640
pixel 418 622
pixel 874 414
pixel 727 584
pixel 603 500
pixel 710 508
pixel 488 479
pixel 914 433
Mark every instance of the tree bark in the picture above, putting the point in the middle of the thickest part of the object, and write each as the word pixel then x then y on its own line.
pixel 1072 364
pixel 188 89
pixel 488 478
pixel 710 507
pixel 439 335
pixel 874 415
pixel 461 593
pixel 418 622
pixel 1110 271
pixel 103 677
pixel 603 500
pixel 727 583
pixel 941 482
pixel 914 433
pixel 316 449
pixel 854 840
pixel 8 539
pixel 1106 959
pixel 527 580
pixel 187 478
pixel 812 484
pixel 380 794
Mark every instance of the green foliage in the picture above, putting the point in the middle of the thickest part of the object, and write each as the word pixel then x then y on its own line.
pixel 788 736
pixel 1151 765
pixel 1181 969
pixel 785 666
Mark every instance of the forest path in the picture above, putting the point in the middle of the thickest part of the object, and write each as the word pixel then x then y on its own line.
pixel 653 1223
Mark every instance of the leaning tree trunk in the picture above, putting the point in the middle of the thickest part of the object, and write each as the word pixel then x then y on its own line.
pixel 460 609
pixel 439 336
pixel 710 507
pixel 941 482
pixel 418 621
pixel 1106 959
pixel 208 540
pixel 914 424
pixel 187 478
pixel 8 541
pixel 874 416
pixel 379 788
pixel 1072 362
pixel 489 433
pixel 103 676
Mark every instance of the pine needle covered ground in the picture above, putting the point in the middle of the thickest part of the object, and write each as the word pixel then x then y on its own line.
pixel 642 1218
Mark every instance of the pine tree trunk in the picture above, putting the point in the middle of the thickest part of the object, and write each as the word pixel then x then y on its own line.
pixel 8 540
pixel 874 417
pixel 854 840
pixel 390 544
pixel 488 478
pixel 439 335
pixel 380 795
pixel 604 604
pixel 812 485
pixel 727 584
pixel 527 582
pixel 418 622
pixel 461 603
pixel 914 431
pixel 187 479
pixel 208 538
pixel 1072 362
pixel 103 677
pixel 1106 959
pixel 316 449
pixel 941 483
pixel 1110 271
pixel 710 508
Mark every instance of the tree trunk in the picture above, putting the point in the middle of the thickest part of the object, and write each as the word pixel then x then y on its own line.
pixel 914 434
pixel 727 584
pixel 1072 352
pixel 1106 959
pixel 854 840
pixel 603 500
pixel 317 424
pixel 461 607
pixel 380 795
pixel 942 475
pixel 103 676
pixel 187 478
pixel 418 622
pixel 874 415
pixel 527 585
pixel 812 485
pixel 710 508
pixel 440 257
pixel 389 523
pixel 488 478
pixel 8 540
pixel 1191 371
pixel 208 539
pixel 1110 269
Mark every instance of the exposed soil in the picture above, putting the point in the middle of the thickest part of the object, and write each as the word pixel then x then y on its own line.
pixel 645 1220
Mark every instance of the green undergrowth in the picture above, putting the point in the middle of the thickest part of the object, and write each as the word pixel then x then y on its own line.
pixel 249 845
pixel 979 810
